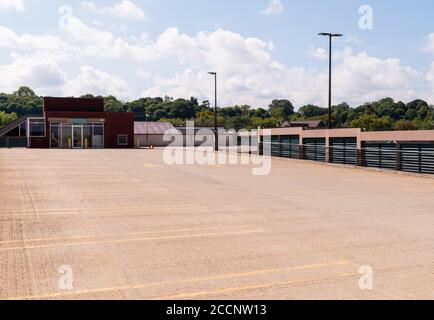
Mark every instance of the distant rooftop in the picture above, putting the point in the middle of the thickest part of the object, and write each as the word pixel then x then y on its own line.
pixel 154 128
pixel 183 130
pixel 307 124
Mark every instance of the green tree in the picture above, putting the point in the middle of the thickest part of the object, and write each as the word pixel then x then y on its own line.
pixel 372 123
pixel 88 96
pixel 237 123
pixel 384 114
pixel 260 113
pixel 6 118
pixel 340 114
pixel 263 122
pixel 112 104
pixel 181 108
pixel 25 92
pixel 281 109
pixel 160 114
pixel 205 105
pixel 426 125
pixel 175 122
pixel 310 111
pixel 206 119
pixel 405 125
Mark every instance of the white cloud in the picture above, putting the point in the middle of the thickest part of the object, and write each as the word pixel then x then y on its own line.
pixel 17 5
pixel 318 53
pixel 104 44
pixel 47 78
pixel 430 74
pixel 124 9
pixel 37 73
pixel 274 7
pixel 363 78
pixel 429 77
pixel 323 54
pixel 353 39
pixel 90 80
pixel 249 74
pixel 49 46
pixel 429 47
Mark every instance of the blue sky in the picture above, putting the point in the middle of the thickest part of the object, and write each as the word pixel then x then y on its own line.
pixel 262 49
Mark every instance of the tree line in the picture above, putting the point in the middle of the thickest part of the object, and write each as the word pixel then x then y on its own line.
pixel 384 114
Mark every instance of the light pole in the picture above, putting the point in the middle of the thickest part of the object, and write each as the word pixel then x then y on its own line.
pixel 216 146
pixel 147 129
pixel 330 35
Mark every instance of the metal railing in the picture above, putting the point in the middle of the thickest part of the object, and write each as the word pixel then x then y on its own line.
pixel 409 157
pixel 13 142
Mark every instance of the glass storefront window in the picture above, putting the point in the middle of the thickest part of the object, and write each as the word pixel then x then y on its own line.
pixel 77 135
pixel 55 136
pixel 98 135
pixel 37 128
pixel 87 136
pixel 67 136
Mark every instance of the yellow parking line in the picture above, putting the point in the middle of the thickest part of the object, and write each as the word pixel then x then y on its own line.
pixel 7 195
pixel 254 287
pixel 123 234
pixel 415 190
pixel 76 211
pixel 183 281
pixel 129 240
pixel 295 190
pixel 150 165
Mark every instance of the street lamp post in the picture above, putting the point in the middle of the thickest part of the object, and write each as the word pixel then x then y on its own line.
pixel 216 146
pixel 330 35
pixel 147 130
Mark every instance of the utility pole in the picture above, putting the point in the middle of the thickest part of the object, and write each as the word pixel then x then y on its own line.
pixel 331 36
pixel 216 134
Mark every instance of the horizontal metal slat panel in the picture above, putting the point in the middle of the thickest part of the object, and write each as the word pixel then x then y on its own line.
pixel 291 147
pixel 13 142
pixel 315 149
pixel 380 155
pixel 417 157
pixel 343 150
pixel 413 157
pixel 275 146
pixel 3 142
pixel 17 142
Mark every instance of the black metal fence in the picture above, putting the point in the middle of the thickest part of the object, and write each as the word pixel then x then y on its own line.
pixel 13 142
pixel 315 149
pixel 290 147
pixel 417 157
pixel 380 155
pixel 343 151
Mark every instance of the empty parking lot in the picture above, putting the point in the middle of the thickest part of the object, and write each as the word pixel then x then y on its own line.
pixel 120 224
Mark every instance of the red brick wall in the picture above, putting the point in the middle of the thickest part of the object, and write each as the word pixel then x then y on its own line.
pixel 73 104
pixel 115 123
pixel 119 123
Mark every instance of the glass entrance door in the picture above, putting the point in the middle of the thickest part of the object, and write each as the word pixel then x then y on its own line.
pixel 77 137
